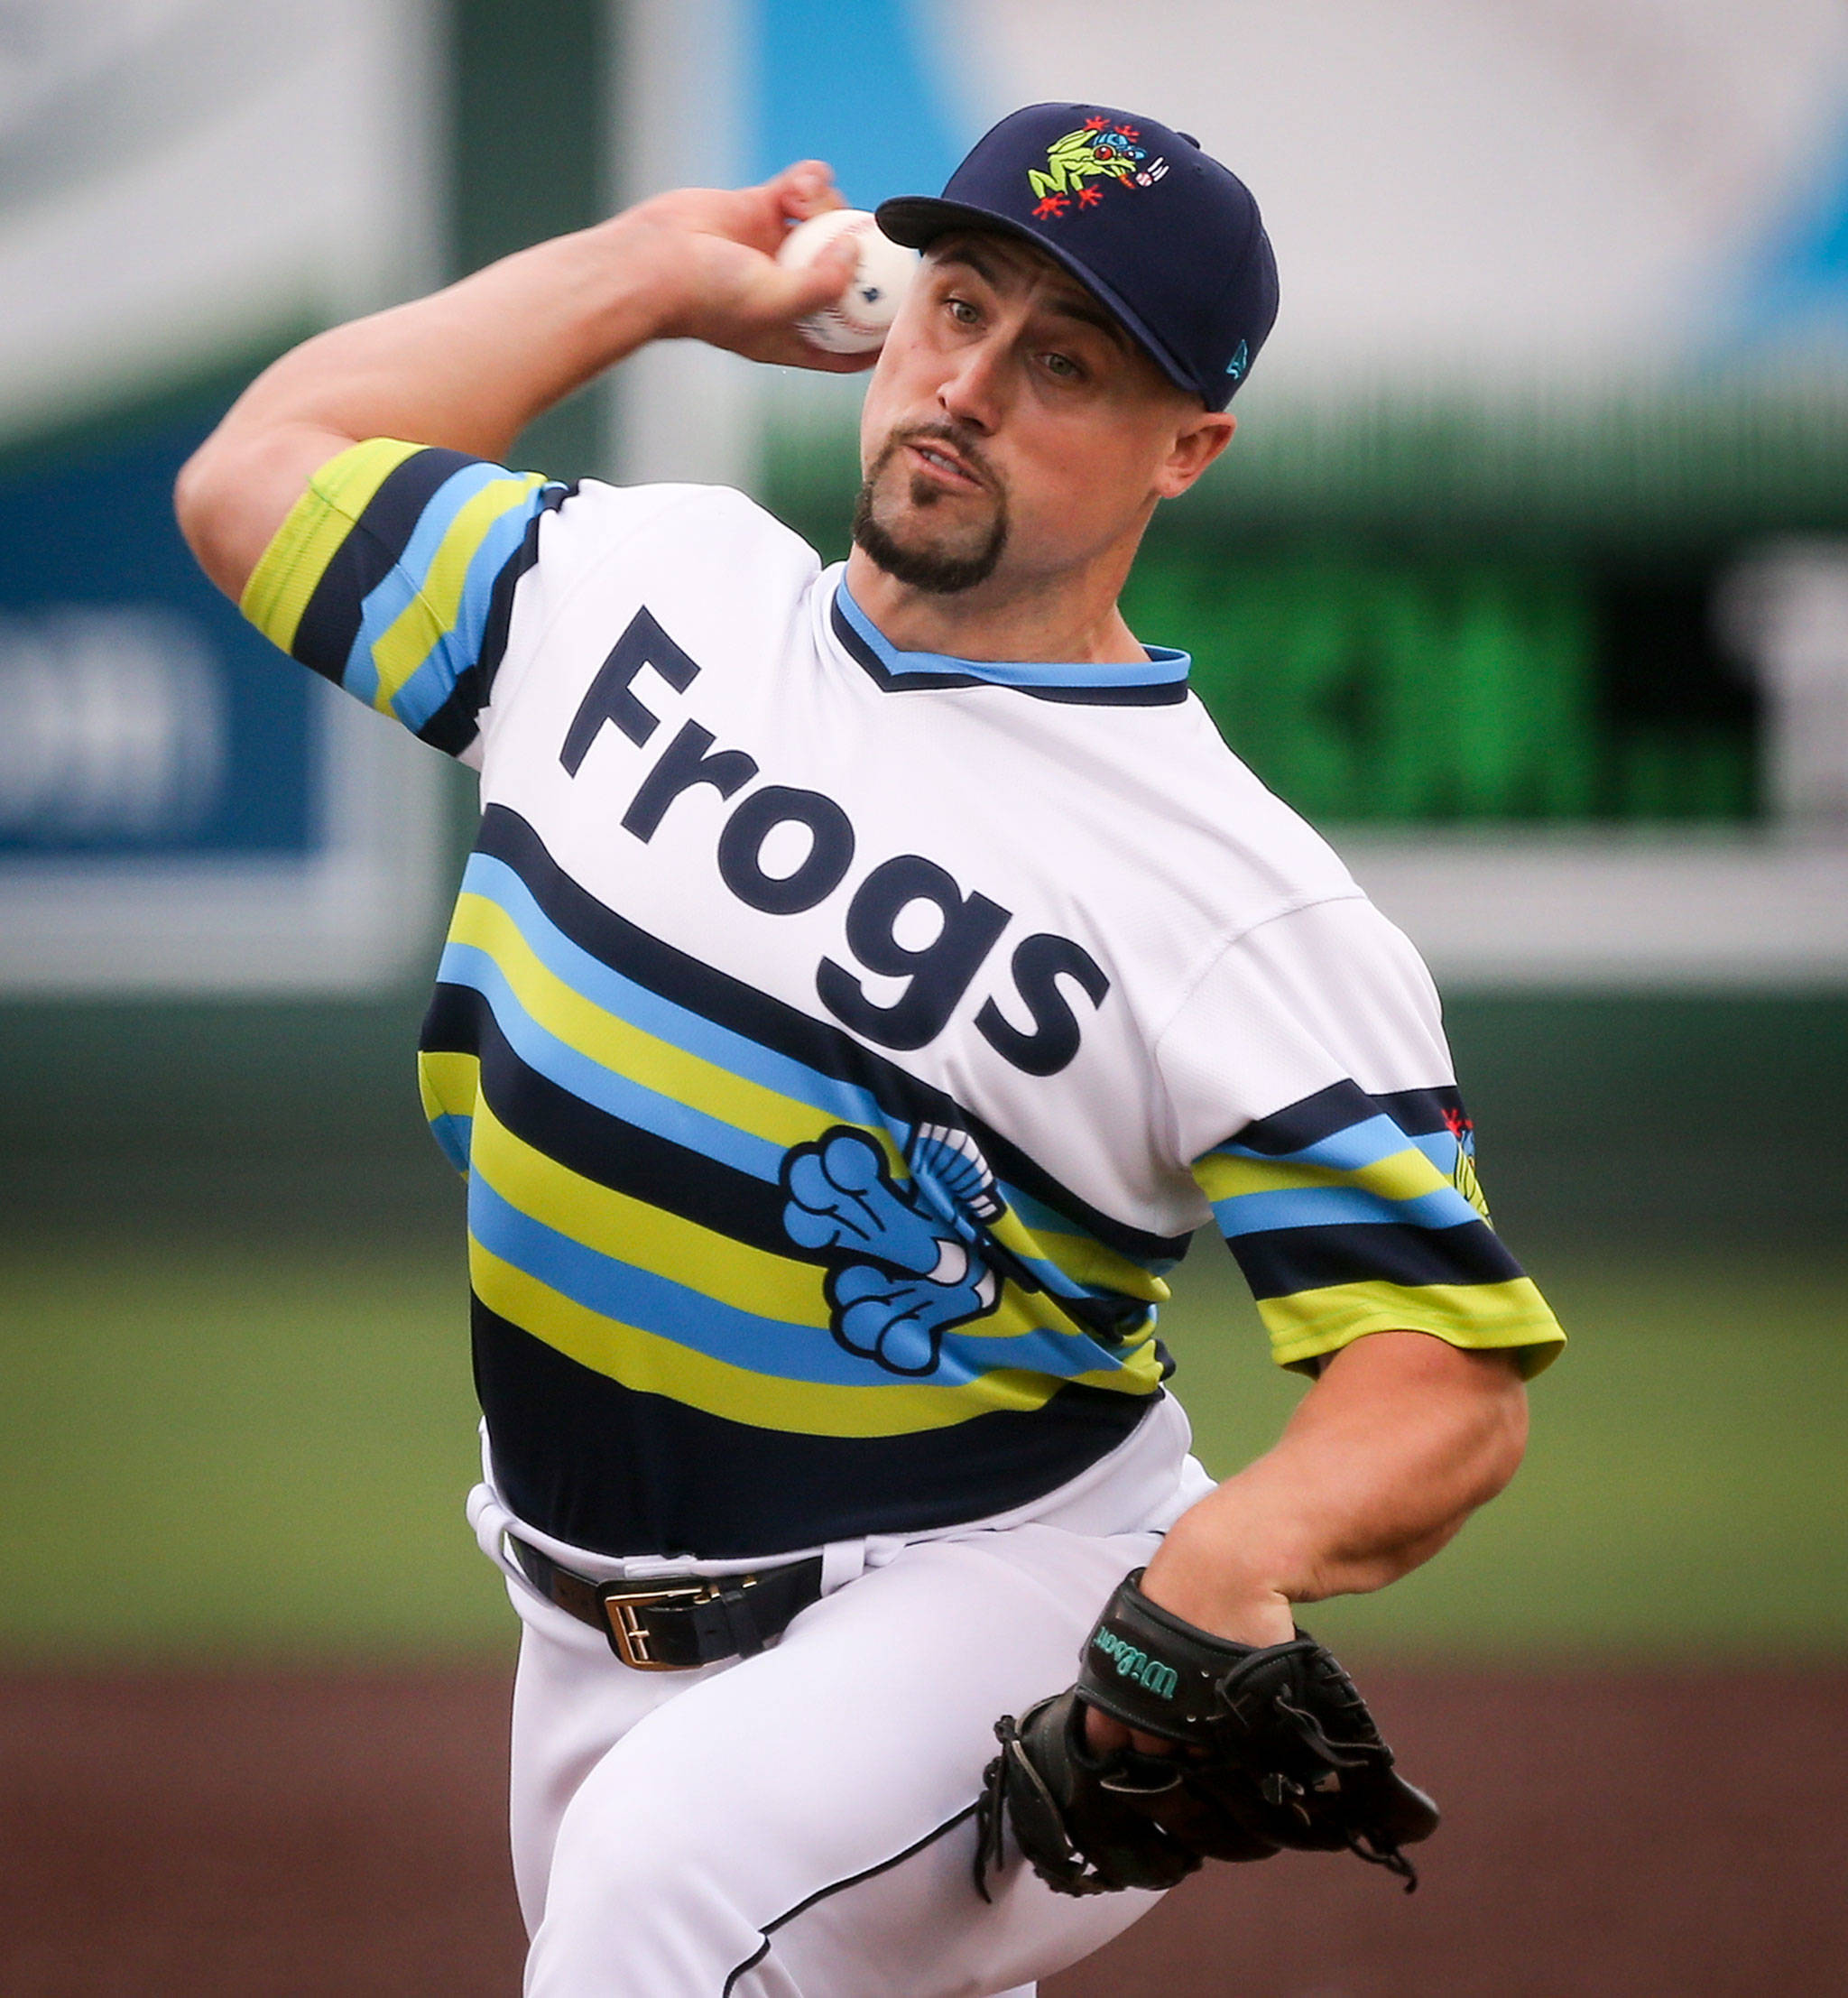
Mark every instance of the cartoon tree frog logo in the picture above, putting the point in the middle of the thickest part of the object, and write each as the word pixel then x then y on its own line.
pixel 904 1266
pixel 1084 163
pixel 1463 1173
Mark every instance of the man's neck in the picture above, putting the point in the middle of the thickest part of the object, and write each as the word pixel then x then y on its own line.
pixel 1057 621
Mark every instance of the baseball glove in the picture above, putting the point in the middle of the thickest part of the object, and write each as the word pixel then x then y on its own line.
pixel 1274 1748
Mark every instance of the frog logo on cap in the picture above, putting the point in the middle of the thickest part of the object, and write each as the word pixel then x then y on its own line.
pixel 1239 361
pixel 1084 163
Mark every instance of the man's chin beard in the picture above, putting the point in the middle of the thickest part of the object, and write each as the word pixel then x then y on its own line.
pixel 943 572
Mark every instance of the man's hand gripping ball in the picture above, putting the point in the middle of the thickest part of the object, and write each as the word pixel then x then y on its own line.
pixel 1274 1748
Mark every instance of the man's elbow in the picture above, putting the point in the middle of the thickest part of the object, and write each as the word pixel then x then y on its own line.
pixel 1503 1440
pixel 200 501
pixel 237 490
pixel 219 501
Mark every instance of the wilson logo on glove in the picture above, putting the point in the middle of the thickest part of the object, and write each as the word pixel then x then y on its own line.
pixel 1136 1664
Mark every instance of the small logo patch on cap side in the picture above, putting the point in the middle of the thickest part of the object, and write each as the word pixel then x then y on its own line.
pixel 1084 163
pixel 1239 361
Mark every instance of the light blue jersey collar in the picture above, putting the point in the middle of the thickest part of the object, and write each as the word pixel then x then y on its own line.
pixel 1161 679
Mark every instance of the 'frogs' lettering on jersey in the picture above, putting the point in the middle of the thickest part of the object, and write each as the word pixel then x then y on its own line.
pixel 936 975
pixel 824 1170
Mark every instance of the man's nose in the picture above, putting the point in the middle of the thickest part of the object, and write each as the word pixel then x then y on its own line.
pixel 973 393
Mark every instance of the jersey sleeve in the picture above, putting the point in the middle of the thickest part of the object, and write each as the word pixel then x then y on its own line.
pixel 1314 1106
pixel 394 575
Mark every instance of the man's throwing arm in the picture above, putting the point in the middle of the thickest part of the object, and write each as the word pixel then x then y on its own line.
pixel 469 367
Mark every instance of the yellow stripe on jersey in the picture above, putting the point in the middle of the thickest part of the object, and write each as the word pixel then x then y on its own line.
pixel 1403 1175
pixel 1309 1325
pixel 631 1051
pixel 645 1237
pixel 278 587
pixel 432 613
pixel 448 1083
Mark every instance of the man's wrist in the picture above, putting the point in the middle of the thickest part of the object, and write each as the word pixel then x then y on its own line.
pixel 638 277
pixel 1192 1577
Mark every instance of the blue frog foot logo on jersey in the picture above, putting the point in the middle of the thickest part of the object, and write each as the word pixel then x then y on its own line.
pixel 903 1261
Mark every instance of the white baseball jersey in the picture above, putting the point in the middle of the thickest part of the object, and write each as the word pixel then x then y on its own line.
pixel 842 1042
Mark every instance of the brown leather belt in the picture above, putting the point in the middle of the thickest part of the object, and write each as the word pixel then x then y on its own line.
pixel 675 1623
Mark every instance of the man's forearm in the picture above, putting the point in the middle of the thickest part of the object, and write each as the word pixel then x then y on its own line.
pixel 467 368
pixel 1397 1443
pixel 470 366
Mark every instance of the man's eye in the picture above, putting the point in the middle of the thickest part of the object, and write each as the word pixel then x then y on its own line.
pixel 1063 367
pixel 961 311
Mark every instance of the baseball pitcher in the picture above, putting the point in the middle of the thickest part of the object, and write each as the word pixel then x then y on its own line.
pixel 865 981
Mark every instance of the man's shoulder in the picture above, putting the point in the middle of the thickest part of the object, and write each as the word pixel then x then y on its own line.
pixel 692 522
pixel 1272 857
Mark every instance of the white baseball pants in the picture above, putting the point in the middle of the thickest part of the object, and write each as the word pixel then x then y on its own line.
pixel 801 1824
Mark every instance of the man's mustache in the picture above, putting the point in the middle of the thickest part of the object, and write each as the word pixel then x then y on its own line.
pixel 959 442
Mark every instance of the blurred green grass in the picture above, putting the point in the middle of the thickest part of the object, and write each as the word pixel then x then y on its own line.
pixel 1685 1486
pixel 259 1445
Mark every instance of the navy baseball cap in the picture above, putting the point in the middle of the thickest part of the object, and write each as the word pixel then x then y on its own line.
pixel 1168 238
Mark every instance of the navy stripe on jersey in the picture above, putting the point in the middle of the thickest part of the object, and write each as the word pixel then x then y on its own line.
pixel 330 622
pixel 604 1468
pixel 1417 1112
pixel 1281 1262
pixel 597 1145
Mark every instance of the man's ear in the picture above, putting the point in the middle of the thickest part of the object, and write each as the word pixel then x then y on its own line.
pixel 1197 443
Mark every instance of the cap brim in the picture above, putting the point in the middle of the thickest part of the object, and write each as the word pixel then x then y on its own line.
pixel 917 220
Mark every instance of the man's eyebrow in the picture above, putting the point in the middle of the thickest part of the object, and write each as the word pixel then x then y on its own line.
pixel 966 254
pixel 1070 305
pixel 1077 305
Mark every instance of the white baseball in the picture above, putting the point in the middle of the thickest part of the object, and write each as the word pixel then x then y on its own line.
pixel 859 320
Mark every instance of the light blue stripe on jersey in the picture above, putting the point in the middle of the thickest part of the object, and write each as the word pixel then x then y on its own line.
pixel 1047 1349
pixel 433 681
pixel 1335 1207
pixel 1440 1147
pixel 616 1289
pixel 543 1051
pixel 386 602
pixel 455 1133
pixel 1163 666
pixel 1353 1149
pixel 620 997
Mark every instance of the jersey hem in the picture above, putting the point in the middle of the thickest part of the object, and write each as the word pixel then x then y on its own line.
pixel 1537 1340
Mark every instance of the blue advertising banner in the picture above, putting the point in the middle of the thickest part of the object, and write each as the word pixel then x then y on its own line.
pixel 145 717
pixel 181 808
